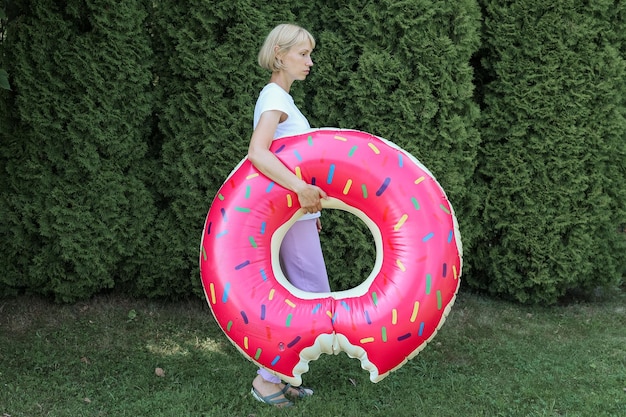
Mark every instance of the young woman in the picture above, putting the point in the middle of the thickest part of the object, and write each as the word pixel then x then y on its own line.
pixel 286 52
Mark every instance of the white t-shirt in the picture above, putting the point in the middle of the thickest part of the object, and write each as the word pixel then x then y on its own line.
pixel 273 97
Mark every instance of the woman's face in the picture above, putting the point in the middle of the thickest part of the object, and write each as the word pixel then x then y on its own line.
pixel 297 60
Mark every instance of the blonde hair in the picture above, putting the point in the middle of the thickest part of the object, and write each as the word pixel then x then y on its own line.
pixel 280 40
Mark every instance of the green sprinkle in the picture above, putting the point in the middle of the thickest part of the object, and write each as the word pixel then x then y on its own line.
pixel 247 191
pixel 438 300
pixel 429 280
pixel 258 353
pixel 416 203
pixel 252 242
pixel 229 325
pixel 364 188
pixel 288 322
pixel 352 151
pixel 242 209
pixel 444 208
pixel 375 298
pixel 220 196
pixel 384 331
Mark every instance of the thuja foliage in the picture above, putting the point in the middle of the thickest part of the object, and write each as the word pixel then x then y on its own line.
pixel 75 206
pixel 553 158
pixel 125 118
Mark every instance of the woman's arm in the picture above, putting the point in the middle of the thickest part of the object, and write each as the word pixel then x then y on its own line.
pixel 265 161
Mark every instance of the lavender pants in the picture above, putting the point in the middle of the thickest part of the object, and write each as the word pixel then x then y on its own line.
pixel 302 262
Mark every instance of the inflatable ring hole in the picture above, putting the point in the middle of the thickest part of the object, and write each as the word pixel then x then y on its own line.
pixel 349 249
pixel 352 221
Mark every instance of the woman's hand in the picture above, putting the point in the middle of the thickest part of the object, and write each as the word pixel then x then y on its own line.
pixel 309 197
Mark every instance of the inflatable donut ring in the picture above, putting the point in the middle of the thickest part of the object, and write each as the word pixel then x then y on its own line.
pixel 387 319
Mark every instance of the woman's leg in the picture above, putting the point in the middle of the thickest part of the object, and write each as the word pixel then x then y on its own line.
pixel 302 259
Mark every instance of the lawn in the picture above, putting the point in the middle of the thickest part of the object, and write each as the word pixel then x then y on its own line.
pixel 491 358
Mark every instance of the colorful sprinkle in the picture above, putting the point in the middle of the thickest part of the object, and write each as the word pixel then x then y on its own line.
pixel 383 187
pixel 268 332
pixel 298 156
pixel 367 317
pixel 252 242
pixel 269 187
pixel 400 265
pixel 310 140
pixel 341 138
pixel 394 316
pixel 245 342
pixel 223 212
pixel 298 172
pixel 257 355
pixel 242 265
pixel 316 308
pixel 222 233
pixel 450 235
pixel 404 337
pixel 242 209
pixel 366 340
pixel 416 307
pixel 364 189
pixel 262 311
pixel 208 229
pixel 280 149
pixel 416 203
pixel 400 222
pixel 400 160
pixel 226 291
pixel 428 237
pixel 290 303
pixel 272 292
pixel 229 325
pixel 454 272
pixel 249 177
pixel 345 305
pixel 346 189
pixel 429 282
pixel 288 321
pixel 293 342
pixel 438 300
pixel 204 254
pixel 248 190
pixel 289 201
pixel 420 179
pixel 352 151
pixel 331 174
pixel 263 275
pixel 375 298
pixel 244 316
pixel 445 270
pixel 374 148
pixel 212 290
pixel 220 197
pixel 421 330
pixel 444 208
pixel 263 227
pixel 384 333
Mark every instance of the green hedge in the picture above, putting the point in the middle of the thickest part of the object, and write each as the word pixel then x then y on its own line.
pixel 553 154
pixel 125 118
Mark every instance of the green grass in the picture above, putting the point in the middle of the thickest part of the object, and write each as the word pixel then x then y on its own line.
pixel 491 358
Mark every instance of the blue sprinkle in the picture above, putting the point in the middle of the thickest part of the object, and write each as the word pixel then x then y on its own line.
pixel 263 275
pixel 345 305
pixel 331 173
pixel 400 160
pixel 293 342
pixel 421 330
pixel 263 226
pixel 222 233
pixel 297 154
pixel 226 291
pixel 245 318
pixel 269 187
pixel 334 318
pixel 276 359
pixel 242 265
pixel 450 236
pixel 316 308
pixel 428 237
pixel 383 187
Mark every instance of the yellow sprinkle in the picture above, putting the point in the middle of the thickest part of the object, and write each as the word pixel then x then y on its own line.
pixel 272 291
pixel 289 202
pixel 212 288
pixel 245 342
pixel 249 177
pixel 416 308
pixel 374 148
pixel 298 172
pixel 420 179
pixel 400 222
pixel 400 265
pixel 290 303
pixel 329 314
pixel 347 187
pixel 454 271
pixel 394 316
pixel 367 340
pixel 341 138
